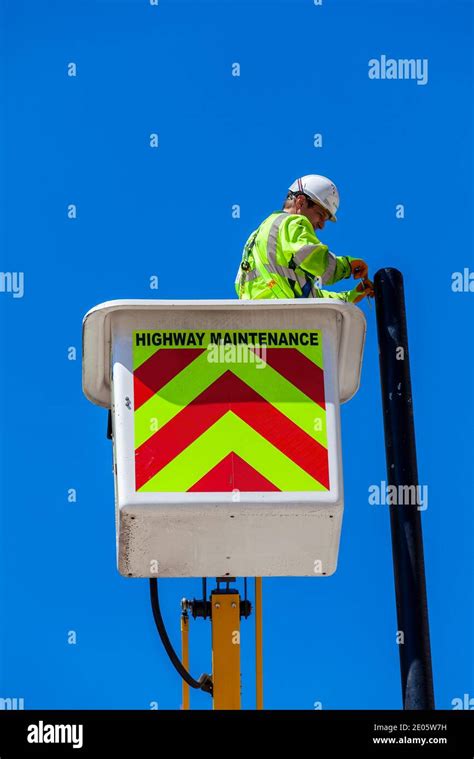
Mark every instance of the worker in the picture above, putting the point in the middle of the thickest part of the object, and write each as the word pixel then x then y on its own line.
pixel 283 258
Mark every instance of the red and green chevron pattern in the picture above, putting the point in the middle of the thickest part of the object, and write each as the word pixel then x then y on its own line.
pixel 227 417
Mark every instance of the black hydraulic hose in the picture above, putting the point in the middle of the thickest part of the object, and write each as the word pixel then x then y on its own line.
pixel 204 683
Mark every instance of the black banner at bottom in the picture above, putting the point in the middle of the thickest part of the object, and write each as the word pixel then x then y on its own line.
pixel 361 733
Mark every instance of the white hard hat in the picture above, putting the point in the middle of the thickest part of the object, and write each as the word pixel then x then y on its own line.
pixel 321 190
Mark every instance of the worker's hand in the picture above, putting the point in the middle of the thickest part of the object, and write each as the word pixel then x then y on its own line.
pixel 359 268
pixel 366 289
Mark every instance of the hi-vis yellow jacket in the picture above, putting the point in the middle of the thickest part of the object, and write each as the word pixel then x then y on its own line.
pixel 283 258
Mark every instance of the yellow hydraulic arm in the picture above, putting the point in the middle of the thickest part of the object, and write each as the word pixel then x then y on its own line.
pixel 225 609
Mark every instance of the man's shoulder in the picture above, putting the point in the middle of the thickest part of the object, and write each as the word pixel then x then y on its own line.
pixel 298 218
pixel 287 218
pixel 293 222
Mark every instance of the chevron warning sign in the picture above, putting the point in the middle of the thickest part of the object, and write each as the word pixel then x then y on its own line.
pixel 229 410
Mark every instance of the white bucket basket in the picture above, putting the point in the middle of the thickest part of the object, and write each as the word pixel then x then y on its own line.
pixel 226 431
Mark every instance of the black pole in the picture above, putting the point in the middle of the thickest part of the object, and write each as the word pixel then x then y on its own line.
pixel 405 520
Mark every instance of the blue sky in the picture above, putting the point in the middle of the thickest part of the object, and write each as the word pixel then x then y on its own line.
pixel 225 140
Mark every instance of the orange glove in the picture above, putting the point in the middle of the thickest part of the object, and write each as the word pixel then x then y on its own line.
pixel 366 288
pixel 359 268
